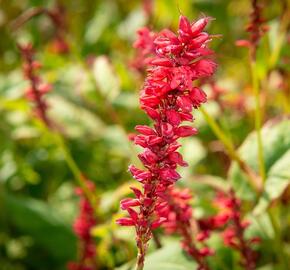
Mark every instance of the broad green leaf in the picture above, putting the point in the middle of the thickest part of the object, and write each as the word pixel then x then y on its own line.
pixel 224 257
pixel 35 218
pixel 276 145
pixel 170 257
pixel 277 181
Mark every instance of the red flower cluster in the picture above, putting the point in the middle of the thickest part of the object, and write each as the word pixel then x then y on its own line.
pixel 234 235
pixel 256 28
pixel 229 216
pixel 37 88
pixel 82 227
pixel 168 98
pixel 175 208
pixel 57 15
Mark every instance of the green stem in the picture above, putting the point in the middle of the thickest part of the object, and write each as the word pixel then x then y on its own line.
pixel 258 119
pixel 254 180
pixel 78 175
pixel 278 242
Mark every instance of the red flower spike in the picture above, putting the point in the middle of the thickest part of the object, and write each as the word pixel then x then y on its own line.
pixel 256 29
pixel 82 228
pixel 37 90
pixel 234 234
pixel 175 62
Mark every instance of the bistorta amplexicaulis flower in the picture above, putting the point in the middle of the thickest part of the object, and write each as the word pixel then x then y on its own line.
pixel 168 97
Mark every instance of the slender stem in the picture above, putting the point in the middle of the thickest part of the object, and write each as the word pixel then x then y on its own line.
pixel 258 119
pixel 140 261
pixel 278 242
pixel 254 180
pixel 78 175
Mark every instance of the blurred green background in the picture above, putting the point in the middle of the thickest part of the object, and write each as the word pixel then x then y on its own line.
pixel 95 100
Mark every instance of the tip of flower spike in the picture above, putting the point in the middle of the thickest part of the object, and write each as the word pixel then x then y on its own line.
pixel 199 25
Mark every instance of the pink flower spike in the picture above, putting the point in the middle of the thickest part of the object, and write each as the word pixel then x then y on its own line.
pixel 174 62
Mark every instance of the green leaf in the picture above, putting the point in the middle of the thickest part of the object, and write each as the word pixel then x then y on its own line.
pixel 170 257
pixel 100 21
pixel 276 145
pixel 36 219
pixel 277 181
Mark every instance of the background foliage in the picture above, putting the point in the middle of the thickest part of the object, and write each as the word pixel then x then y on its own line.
pixel 95 101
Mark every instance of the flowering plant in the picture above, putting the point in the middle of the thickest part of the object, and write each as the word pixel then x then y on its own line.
pixel 207 136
